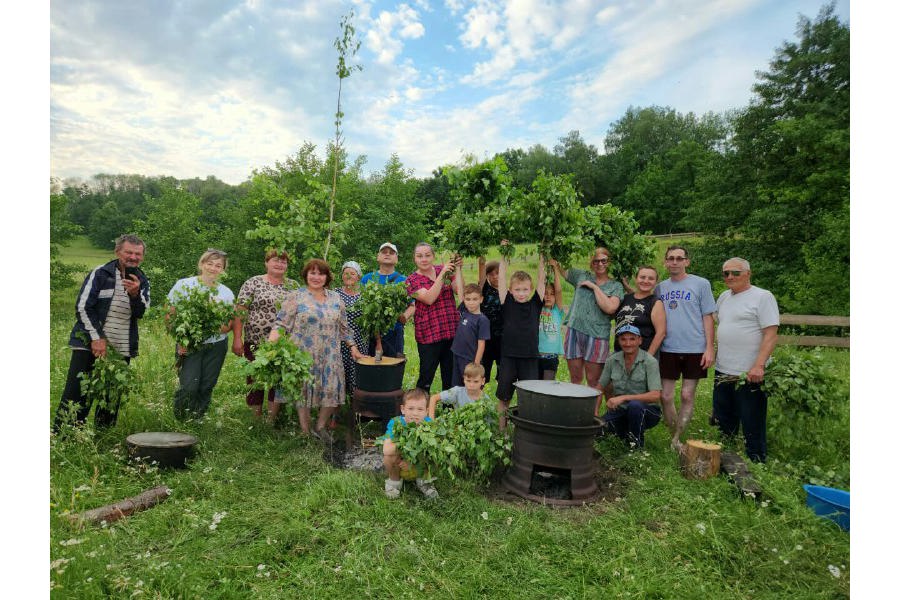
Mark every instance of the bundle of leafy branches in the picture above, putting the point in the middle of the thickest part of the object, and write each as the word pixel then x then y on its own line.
pixel 617 231
pixel 278 365
pixel 483 195
pixel 379 306
pixel 198 316
pixel 109 382
pixel 551 215
pixel 465 442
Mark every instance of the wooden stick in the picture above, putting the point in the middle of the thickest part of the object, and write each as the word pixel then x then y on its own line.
pixel 123 508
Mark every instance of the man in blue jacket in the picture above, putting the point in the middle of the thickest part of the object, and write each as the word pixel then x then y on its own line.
pixel 111 300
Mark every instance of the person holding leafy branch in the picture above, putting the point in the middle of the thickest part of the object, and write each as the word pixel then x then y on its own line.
pixel 550 338
pixel 391 341
pixel 315 320
pixel 436 315
pixel 111 300
pixel 258 302
pixel 200 367
pixel 489 280
pixel 596 299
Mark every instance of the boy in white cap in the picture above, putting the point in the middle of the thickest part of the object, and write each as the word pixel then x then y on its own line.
pixel 392 342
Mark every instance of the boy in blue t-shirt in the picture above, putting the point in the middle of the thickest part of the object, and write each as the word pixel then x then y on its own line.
pixel 471 334
pixel 413 409
pixel 472 390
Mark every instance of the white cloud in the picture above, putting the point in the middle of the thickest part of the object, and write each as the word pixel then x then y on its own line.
pixel 381 37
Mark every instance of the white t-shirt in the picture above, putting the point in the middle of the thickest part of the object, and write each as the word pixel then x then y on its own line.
pixel 741 318
pixel 222 293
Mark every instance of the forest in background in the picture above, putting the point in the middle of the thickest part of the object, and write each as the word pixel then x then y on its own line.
pixel 769 182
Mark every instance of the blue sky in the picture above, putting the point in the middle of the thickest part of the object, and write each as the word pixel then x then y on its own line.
pixel 222 87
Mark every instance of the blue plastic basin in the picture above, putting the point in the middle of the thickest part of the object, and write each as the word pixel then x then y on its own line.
pixel 830 503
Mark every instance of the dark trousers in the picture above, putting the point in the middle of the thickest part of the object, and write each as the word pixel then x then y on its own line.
pixel 631 419
pixel 430 357
pixel 742 406
pixel 105 416
pixel 197 377
pixel 490 356
pixel 391 343
pixel 255 397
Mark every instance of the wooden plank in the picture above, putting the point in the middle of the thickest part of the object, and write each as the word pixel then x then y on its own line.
pixel 814 340
pixel 815 320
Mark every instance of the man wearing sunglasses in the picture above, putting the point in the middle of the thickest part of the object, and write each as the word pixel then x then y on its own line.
pixel 687 351
pixel 748 329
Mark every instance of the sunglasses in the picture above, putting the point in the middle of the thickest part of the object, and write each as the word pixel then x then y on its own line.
pixel 600 261
pixel 676 258
pixel 217 251
pixel 725 274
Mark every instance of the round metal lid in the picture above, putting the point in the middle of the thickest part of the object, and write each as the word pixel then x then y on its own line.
pixel 560 389
pixel 161 439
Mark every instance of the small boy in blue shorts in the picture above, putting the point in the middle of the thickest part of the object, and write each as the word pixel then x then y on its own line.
pixel 459 396
pixel 473 331
pixel 413 409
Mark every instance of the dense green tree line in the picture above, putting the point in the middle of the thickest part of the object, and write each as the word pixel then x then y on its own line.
pixel 769 182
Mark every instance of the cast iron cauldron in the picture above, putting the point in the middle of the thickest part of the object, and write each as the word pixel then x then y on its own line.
pixel 167 448
pixel 384 376
pixel 556 402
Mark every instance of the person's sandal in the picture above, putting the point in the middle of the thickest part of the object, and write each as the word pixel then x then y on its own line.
pixel 323 435
pixel 427 488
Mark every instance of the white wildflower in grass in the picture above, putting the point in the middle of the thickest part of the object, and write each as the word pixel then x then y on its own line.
pixel 337 569
pixel 484 515
pixel 509 520
pixel 59 562
pixel 798 547
pixel 785 561
pixel 834 571
pixel 764 503
pixel 260 567
pixel 82 488
pixel 207 469
pixel 70 542
pixel 700 527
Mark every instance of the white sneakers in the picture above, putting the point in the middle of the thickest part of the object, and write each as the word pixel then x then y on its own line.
pixel 392 488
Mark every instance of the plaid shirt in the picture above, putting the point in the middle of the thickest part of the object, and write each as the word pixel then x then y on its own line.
pixel 437 321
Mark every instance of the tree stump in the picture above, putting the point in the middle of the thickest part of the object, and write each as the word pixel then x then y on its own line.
pixel 700 460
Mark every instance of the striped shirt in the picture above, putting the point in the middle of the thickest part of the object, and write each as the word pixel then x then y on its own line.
pixel 118 320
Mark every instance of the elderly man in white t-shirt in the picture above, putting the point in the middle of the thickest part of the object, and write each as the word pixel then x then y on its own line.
pixel 748 328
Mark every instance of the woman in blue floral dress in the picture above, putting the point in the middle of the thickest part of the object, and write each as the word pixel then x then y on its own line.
pixel 315 319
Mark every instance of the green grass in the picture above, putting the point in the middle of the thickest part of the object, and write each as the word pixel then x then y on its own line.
pixel 79 251
pixel 297 528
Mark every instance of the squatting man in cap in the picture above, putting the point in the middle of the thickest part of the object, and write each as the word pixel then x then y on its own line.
pixel 631 387
pixel 392 341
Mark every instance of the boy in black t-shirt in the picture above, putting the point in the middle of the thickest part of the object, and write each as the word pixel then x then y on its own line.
pixel 521 311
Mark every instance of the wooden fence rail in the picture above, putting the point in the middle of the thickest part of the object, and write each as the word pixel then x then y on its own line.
pixel 815 340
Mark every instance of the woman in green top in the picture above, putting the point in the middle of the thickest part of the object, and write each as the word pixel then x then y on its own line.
pixel 596 300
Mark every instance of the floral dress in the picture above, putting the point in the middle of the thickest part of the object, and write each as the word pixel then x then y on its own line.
pixel 352 314
pixel 319 328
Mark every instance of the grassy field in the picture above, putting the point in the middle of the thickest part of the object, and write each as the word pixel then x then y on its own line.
pixel 260 514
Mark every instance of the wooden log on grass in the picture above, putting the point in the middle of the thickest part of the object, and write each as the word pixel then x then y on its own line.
pixel 700 460
pixel 123 508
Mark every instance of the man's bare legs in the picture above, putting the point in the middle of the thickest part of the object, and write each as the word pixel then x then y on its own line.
pixel 677 422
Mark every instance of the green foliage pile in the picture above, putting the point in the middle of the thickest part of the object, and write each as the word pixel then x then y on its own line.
pixel 198 316
pixel 109 382
pixel 465 442
pixel 379 306
pixel 279 365
pixel 804 397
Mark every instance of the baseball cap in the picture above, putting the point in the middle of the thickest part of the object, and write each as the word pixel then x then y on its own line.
pixel 387 245
pixel 628 329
